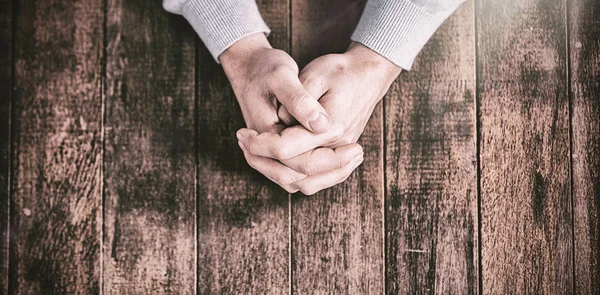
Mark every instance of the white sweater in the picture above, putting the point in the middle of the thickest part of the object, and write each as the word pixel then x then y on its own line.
pixel 396 29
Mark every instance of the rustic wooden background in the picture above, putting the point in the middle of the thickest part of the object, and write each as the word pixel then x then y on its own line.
pixel 120 172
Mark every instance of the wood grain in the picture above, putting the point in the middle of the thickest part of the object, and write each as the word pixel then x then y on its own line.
pixel 243 220
pixel 337 235
pixel 526 237
pixel 585 81
pixel 150 207
pixel 431 206
pixel 57 141
pixel 321 27
pixel 6 62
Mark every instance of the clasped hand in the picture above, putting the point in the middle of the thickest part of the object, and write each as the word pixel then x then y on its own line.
pixel 302 128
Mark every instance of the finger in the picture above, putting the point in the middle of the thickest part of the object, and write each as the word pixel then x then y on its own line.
pixel 261 115
pixel 291 142
pixel 300 104
pixel 285 116
pixel 315 86
pixel 322 160
pixel 274 170
pixel 313 184
pixel 274 128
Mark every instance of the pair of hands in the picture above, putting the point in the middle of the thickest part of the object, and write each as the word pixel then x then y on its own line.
pixel 332 99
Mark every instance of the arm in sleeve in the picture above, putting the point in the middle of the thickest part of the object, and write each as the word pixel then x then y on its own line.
pixel 220 23
pixel 398 29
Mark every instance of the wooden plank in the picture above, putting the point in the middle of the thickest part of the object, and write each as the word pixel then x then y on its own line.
pixel 337 235
pixel 431 206
pixel 321 27
pixel 526 236
pixel 585 82
pixel 6 62
pixel 150 208
pixel 58 142
pixel 243 218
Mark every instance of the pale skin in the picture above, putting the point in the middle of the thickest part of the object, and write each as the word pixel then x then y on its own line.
pixel 332 99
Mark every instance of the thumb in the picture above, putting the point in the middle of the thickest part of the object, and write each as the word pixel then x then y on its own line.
pixel 301 105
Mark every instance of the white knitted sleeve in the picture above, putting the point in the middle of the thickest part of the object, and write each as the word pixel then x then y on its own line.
pixel 398 29
pixel 220 23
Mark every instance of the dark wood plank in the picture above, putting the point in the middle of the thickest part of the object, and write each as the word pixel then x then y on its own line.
pixel 431 206
pixel 337 234
pixel 321 27
pixel 243 221
pixel 58 145
pixel 150 208
pixel 6 43
pixel 585 83
pixel 526 236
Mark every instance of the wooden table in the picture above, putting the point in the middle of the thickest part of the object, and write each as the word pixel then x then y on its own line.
pixel 120 172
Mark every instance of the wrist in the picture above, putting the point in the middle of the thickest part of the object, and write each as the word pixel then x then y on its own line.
pixel 240 51
pixel 373 61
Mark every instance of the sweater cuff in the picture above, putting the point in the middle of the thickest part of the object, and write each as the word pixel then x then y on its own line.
pixel 221 23
pixel 398 29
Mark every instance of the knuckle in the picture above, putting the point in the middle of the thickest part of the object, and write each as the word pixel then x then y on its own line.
pixel 309 168
pixel 250 146
pixel 262 126
pixel 285 178
pixel 251 164
pixel 298 100
pixel 340 163
pixel 282 70
pixel 280 152
pixel 329 155
pixel 252 149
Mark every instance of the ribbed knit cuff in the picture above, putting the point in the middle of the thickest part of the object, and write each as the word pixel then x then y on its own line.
pixel 221 23
pixel 398 29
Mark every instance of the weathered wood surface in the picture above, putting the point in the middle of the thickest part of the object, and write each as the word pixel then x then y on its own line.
pixel 321 27
pixel 337 235
pixel 243 220
pixel 584 43
pixel 56 171
pixel 6 62
pixel 431 172
pixel 182 212
pixel 149 176
pixel 526 237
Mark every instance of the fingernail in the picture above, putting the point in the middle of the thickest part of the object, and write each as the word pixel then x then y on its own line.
pixel 241 145
pixel 318 122
pixel 239 135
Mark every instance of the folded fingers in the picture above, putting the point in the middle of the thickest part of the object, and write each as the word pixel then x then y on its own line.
pixel 336 169
pixel 313 184
pixel 275 171
pixel 322 160
pixel 289 143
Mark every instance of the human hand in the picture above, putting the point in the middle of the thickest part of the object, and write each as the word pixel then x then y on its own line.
pixel 261 77
pixel 349 86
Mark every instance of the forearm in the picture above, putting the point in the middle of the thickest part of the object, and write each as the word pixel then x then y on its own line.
pixel 220 23
pixel 398 29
